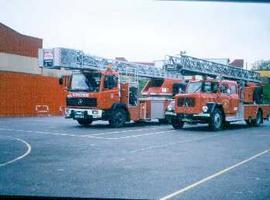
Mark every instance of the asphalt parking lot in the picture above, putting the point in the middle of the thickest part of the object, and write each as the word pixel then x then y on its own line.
pixel 53 156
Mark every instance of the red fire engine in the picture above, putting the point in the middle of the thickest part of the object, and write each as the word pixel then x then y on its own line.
pixel 103 89
pixel 234 94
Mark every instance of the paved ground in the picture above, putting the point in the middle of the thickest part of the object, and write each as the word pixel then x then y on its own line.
pixel 56 157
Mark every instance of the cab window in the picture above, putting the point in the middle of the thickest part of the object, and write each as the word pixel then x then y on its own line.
pixel 210 87
pixel 110 82
pixel 225 89
pixel 207 87
pixel 233 89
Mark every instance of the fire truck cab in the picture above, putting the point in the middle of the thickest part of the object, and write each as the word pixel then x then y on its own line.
pixel 218 102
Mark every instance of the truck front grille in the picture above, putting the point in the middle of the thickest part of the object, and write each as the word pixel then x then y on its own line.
pixel 186 101
pixel 90 102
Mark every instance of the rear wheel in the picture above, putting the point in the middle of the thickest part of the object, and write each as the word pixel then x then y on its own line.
pixel 216 120
pixel 176 123
pixel 85 122
pixel 119 117
pixel 259 119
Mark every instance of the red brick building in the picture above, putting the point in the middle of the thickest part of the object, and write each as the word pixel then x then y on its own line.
pixel 24 91
pixel 13 42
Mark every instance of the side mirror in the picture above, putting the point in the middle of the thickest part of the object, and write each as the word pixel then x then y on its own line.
pixel 61 81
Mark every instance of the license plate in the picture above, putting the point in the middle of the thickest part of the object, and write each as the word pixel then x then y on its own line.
pixel 79 115
pixel 187 120
pixel 170 113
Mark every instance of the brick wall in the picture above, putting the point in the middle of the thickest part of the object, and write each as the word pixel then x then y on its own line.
pixel 30 95
pixel 15 43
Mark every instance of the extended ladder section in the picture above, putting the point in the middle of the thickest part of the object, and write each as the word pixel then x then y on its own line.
pixel 189 65
pixel 71 59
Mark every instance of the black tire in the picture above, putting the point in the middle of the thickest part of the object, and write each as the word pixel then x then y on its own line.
pixel 249 122
pixel 227 124
pixel 163 121
pixel 176 123
pixel 85 122
pixel 259 119
pixel 139 122
pixel 216 120
pixel 119 117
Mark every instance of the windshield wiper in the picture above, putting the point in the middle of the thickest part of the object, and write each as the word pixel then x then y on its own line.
pixel 79 90
pixel 197 89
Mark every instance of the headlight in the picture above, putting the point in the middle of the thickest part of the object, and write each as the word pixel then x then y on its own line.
pixel 67 111
pixel 205 109
pixel 95 112
pixel 171 106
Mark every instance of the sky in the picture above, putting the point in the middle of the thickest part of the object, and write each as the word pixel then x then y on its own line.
pixel 145 30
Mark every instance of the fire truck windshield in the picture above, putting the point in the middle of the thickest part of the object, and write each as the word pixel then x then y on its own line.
pixel 88 82
pixel 202 86
pixel 194 87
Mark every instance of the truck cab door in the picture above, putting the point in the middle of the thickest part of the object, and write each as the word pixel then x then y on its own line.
pixel 109 92
pixel 133 97
pixel 225 97
pixel 235 100
pixel 135 108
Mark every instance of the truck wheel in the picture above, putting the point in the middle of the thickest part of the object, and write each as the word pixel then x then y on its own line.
pixel 227 124
pixel 216 120
pixel 139 122
pixel 259 119
pixel 163 121
pixel 176 123
pixel 249 122
pixel 84 122
pixel 119 117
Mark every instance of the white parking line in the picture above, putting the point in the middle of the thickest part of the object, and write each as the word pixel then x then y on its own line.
pixel 26 119
pixel 49 133
pixel 124 131
pixel 19 157
pixel 189 187
pixel 87 136
pixel 140 135
pixel 173 143
pixel 264 135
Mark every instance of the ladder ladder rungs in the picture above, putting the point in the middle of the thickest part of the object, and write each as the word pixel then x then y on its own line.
pixel 74 59
pixel 204 67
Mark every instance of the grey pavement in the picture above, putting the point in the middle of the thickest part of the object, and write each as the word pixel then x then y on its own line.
pixel 53 156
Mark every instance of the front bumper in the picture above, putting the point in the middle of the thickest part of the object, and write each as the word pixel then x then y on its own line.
pixel 192 118
pixel 81 113
pixel 169 115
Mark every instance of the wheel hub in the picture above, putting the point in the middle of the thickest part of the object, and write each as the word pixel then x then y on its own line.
pixel 217 120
